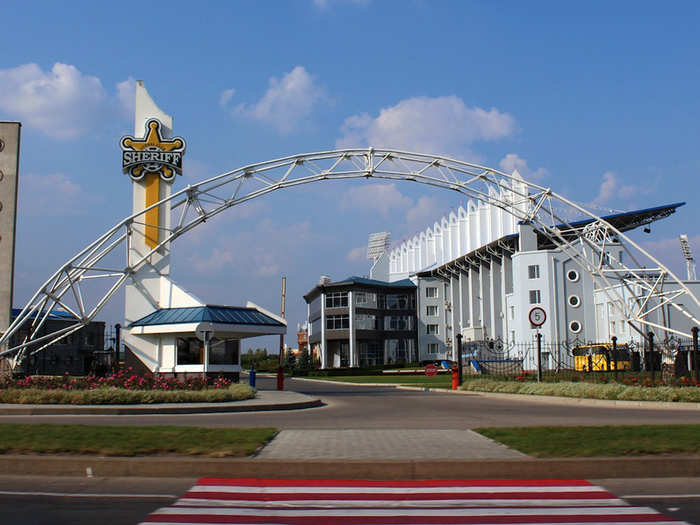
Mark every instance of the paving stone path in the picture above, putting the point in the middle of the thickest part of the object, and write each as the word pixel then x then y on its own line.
pixel 385 444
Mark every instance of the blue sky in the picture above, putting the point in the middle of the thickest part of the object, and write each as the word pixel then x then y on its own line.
pixel 599 101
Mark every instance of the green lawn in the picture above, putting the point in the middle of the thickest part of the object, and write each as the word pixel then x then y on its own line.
pixel 438 381
pixel 132 441
pixel 598 441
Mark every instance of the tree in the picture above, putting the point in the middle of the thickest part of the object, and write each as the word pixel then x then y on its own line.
pixel 290 361
pixel 304 361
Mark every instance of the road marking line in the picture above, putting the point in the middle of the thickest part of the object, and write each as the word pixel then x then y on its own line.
pixel 647 496
pixel 84 495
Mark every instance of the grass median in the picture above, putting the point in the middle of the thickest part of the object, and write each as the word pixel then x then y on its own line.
pixel 438 381
pixel 132 441
pixel 611 391
pixel 602 441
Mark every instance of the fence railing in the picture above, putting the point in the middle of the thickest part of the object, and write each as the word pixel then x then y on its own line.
pixel 677 356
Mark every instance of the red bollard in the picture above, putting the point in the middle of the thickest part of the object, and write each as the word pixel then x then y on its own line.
pixel 280 378
pixel 455 378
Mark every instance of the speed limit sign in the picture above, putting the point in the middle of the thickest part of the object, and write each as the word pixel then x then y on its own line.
pixel 537 316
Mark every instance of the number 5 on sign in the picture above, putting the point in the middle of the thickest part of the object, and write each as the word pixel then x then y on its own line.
pixel 537 316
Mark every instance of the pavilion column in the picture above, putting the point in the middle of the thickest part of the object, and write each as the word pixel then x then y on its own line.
pixel 324 356
pixel 351 332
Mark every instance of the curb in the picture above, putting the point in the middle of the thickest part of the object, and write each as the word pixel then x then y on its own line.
pixel 169 408
pixel 582 401
pixel 180 467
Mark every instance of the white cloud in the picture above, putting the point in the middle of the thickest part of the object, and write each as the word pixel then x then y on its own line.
pixel 126 94
pixel 287 103
pixel 358 254
pixel 425 212
pixel 52 196
pixel 226 96
pixel 381 198
pixel 440 125
pixel 512 162
pixel 63 102
pixel 612 190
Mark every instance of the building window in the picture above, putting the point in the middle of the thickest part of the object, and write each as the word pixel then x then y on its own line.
pixel 361 298
pixel 336 299
pixel 433 348
pixel 512 313
pixel 365 322
pixel 432 329
pixel 572 275
pixel 574 301
pixel 533 271
pixel 398 302
pixel 431 292
pixel 398 322
pixel 535 297
pixel 399 350
pixel 371 352
pixel 337 322
pixel 224 351
pixel 431 310
pixel 190 351
pixel 575 327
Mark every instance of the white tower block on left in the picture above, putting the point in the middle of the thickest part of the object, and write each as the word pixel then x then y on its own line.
pixel 150 286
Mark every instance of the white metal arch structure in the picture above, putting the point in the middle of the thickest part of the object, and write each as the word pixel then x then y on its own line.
pixel 644 277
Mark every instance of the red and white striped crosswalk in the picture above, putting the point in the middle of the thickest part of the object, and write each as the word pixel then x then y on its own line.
pixel 316 502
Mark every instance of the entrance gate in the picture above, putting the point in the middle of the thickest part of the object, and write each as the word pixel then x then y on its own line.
pixel 649 283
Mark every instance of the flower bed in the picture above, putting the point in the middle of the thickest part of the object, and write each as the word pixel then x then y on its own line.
pixel 121 388
pixel 125 379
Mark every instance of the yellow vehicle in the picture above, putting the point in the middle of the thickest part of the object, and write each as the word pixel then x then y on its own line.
pixel 600 358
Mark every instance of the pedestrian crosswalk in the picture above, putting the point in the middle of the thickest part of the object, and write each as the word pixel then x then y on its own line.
pixel 317 502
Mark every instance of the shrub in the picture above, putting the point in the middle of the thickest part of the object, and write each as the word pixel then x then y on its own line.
pixel 109 395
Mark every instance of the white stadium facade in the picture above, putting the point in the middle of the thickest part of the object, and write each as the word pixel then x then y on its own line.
pixel 479 271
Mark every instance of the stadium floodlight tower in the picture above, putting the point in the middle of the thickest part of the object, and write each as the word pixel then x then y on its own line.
pixel 378 252
pixel 377 244
pixel 689 259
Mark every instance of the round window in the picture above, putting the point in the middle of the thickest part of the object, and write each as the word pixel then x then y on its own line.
pixel 575 326
pixel 574 301
pixel 572 275
pixel 2 145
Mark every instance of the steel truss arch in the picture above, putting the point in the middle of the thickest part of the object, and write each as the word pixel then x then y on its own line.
pixel 651 284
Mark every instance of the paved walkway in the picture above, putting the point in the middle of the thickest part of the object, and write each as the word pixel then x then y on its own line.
pixel 385 445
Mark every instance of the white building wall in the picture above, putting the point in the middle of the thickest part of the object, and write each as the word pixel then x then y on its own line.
pixel 423 319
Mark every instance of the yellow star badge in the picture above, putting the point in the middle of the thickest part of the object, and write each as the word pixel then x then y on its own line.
pixel 152 154
pixel 151 159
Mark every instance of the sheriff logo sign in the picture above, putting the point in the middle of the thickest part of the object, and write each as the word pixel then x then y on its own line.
pixel 152 154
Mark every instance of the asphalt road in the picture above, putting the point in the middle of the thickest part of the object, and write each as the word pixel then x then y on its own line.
pixel 365 407
pixel 46 500
pixel 26 500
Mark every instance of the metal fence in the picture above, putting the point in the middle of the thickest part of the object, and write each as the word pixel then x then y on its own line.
pixel 672 356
